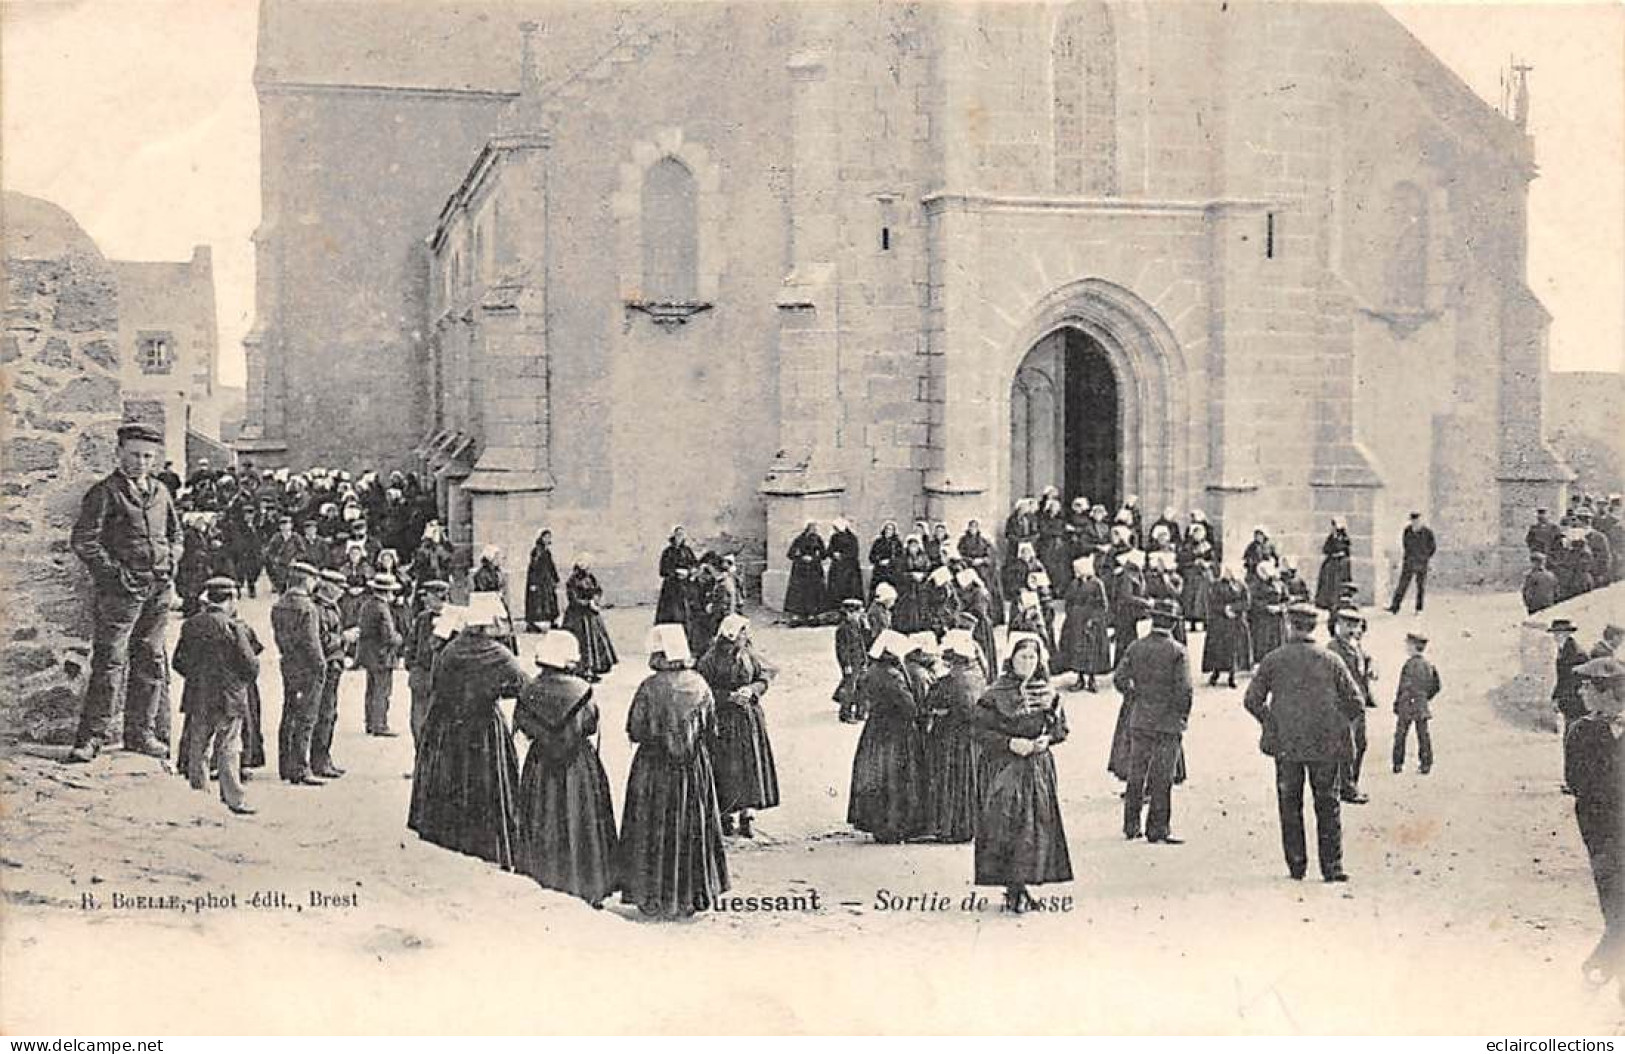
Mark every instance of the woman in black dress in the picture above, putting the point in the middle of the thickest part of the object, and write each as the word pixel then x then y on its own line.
pixel 888 796
pixel 742 754
pixel 677 566
pixel 672 861
pixel 845 570
pixel 950 750
pixel 1266 615
pixel 910 616
pixel 885 557
pixel 467 773
pixel 565 816
pixel 541 585
pixel 976 549
pixel 1334 567
pixel 804 599
pixel 1228 648
pixel 1020 840
pixel 582 619
pixel 1085 649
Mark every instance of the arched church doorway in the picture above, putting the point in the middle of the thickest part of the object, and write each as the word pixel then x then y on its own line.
pixel 1066 420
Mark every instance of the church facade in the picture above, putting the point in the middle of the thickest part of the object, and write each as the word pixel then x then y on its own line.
pixel 741 266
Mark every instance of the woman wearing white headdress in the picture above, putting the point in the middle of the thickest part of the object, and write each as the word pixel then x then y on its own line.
pixel 1128 602
pixel 804 598
pixel 1266 617
pixel 565 814
pixel 951 753
pixel 910 616
pixel 1085 649
pixel 467 772
pixel 845 571
pixel 582 618
pixel 677 566
pixel 672 860
pixel 747 777
pixel 889 779
pixel 1228 647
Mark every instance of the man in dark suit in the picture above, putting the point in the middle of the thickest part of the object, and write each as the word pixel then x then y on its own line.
pixel 1419 546
pixel 1304 698
pixel 128 535
pixel 377 649
pixel 297 625
pixel 1348 626
pixel 1539 584
pixel 1155 675
pixel 1543 533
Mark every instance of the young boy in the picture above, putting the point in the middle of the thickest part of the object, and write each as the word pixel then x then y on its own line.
pixel 377 650
pixel 1418 684
pixel 216 657
pixel 851 652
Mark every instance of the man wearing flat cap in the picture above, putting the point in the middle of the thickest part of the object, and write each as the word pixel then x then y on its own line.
pixel 377 650
pixel 297 625
pixel 1304 698
pixel 1348 627
pixel 217 656
pixel 1594 767
pixel 129 536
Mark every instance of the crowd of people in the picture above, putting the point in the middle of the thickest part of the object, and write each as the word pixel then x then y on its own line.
pixel 957 739
pixel 1583 551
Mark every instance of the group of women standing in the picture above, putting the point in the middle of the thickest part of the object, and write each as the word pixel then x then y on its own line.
pixel 945 757
pixel 703 764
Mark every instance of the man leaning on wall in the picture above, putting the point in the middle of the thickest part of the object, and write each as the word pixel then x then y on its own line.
pixel 129 536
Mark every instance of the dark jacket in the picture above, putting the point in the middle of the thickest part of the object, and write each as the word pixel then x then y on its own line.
pixel 1155 676
pixel 1419 546
pixel 1566 694
pixel 216 655
pixel 1418 684
pixel 1304 697
pixel 379 643
pixel 297 627
pixel 1357 663
pixel 124 538
pixel 1539 590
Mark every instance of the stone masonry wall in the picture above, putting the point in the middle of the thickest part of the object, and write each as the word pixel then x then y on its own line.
pixel 62 395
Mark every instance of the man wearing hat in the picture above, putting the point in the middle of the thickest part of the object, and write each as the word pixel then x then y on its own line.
pixel 1154 677
pixel 377 649
pixel 1418 545
pixel 1418 684
pixel 852 640
pixel 128 535
pixel 216 655
pixel 297 626
pixel 329 588
pixel 1304 698
pixel 1539 584
pixel 1594 766
pixel 1543 533
pixel 283 548
pixel 422 645
pixel 1566 692
pixel 1348 626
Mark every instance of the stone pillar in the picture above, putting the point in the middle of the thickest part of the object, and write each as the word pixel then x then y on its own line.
pixel 1531 475
pixel 804 482
pixel 511 487
pixel 1234 472
pixel 964 380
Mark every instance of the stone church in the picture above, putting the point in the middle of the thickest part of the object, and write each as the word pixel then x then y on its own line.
pixel 609 268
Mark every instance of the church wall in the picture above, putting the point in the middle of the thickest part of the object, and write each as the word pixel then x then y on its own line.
pixel 351 323
pixel 657 425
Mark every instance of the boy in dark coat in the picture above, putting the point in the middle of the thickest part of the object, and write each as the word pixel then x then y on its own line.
pixel 216 657
pixel 377 647
pixel 1418 684
pixel 329 587
pixel 421 647
pixel 852 640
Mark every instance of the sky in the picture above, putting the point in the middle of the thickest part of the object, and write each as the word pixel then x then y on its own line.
pixel 139 118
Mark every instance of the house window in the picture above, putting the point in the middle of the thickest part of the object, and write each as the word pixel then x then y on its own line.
pixel 155 352
pixel 670 221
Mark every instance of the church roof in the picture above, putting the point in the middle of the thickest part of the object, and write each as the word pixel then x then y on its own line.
pixel 456 45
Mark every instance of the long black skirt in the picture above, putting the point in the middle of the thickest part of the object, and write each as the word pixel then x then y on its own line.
pixel 889 780
pixel 1228 647
pixel 464 784
pixel 597 651
pixel 672 860
pixel 747 778
pixel 956 789
pixel 805 596
pixel 567 824
pixel 1019 836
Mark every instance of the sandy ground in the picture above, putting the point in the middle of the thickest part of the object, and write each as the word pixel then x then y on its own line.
pixel 1470 910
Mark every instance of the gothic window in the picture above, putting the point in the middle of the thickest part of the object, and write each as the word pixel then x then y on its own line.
pixel 1405 276
pixel 670 233
pixel 155 352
